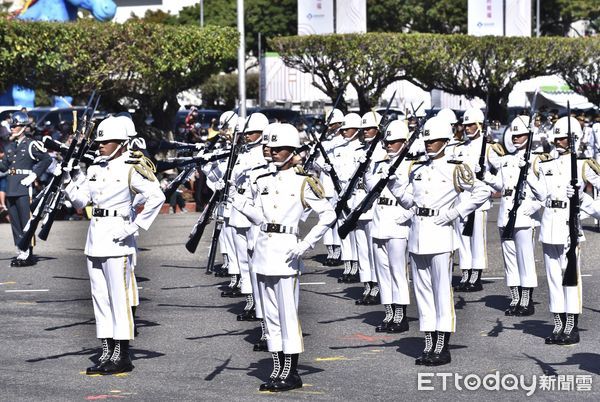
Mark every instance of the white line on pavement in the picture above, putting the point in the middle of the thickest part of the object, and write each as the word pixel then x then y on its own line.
pixel 312 283
pixel 26 290
pixel 492 278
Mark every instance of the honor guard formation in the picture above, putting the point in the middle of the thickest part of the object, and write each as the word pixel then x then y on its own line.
pixel 393 200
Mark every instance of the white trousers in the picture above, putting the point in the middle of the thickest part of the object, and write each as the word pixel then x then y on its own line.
pixel 331 237
pixel 563 299
pixel 392 271
pixel 364 248
pixel 255 290
pixel 228 234
pixel 280 310
pixel 519 259
pixel 432 278
pixel 110 278
pixel 240 242
pixel 472 251
pixel 348 249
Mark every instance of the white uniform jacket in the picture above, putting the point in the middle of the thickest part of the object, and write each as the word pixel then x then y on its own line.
pixel 244 164
pixel 554 174
pixel 433 188
pixel 390 219
pixel 281 198
pixel 112 186
pixel 468 153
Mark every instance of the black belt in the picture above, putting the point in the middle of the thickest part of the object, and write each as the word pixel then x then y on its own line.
pixel 556 204
pixel 277 228
pixel 241 190
pixel 387 201
pixel 508 192
pixel 13 171
pixel 427 212
pixel 102 213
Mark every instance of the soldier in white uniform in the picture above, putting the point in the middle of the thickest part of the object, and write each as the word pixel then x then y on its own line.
pixel 432 191
pixel 110 187
pixel 390 233
pixel 279 201
pixel 332 240
pixel 518 253
pixel 472 249
pixel 251 158
pixel 554 190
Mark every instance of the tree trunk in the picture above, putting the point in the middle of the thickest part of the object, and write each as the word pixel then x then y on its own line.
pixel 164 113
pixel 364 101
pixel 498 107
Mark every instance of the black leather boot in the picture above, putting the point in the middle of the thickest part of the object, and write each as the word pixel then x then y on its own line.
pixel 235 290
pixel 463 281
pixel 289 378
pixel 347 268
pixel 365 294
pixel 440 354
pixel 354 276
pixel 570 334
pixel 526 307
pixel 261 345
pixel 108 346
pixel 222 271
pixel 400 322
pixel 427 351
pixel 474 283
pixel 515 297
pixel 249 313
pixel 389 316
pixel 120 361
pixel 337 253
pixel 329 255
pixel 557 332
pixel 278 358
pixel 373 297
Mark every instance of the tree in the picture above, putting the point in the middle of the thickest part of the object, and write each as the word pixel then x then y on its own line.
pixel 220 91
pixel 134 64
pixel 580 67
pixel 433 16
pixel 556 16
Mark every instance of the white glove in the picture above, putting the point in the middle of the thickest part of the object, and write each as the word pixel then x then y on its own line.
pixel 297 251
pixel 478 169
pixel 362 158
pixel 327 167
pixel 570 190
pixel 522 162
pixel 130 229
pixel 199 146
pixel 488 178
pixel 446 217
pixel 220 184
pixel 27 181
pixel 384 170
pixel 58 171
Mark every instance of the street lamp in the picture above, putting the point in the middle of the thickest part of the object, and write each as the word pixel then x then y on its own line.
pixel 241 59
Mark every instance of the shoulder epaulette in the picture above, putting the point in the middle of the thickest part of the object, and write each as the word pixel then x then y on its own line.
pixel 498 149
pixel 259 167
pixel 463 173
pixel 299 170
pixel 455 161
pixel 593 165
pixel 545 157
pixel 263 175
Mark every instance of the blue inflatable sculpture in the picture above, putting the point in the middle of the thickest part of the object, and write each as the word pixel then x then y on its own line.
pixel 55 10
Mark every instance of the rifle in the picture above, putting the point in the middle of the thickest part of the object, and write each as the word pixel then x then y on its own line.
pixel 570 277
pixel 176 182
pixel 470 223
pixel 332 173
pixel 308 162
pixel 169 145
pixel 342 203
pixel 173 163
pixel 61 148
pixel 235 148
pixel 509 229
pixel 198 229
pixel 350 222
pixel 86 131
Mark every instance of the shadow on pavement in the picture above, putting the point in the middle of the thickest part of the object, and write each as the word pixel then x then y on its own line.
pixel 75 324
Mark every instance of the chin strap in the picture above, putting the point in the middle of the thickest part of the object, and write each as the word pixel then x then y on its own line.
pixel 280 164
pixel 111 156
pixel 433 155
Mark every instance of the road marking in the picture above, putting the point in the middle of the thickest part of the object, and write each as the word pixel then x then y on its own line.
pixel 26 290
pixel 312 283
pixel 26 303
pixel 492 278
pixel 139 287
pixel 586 274
pixel 7 283
pixel 331 359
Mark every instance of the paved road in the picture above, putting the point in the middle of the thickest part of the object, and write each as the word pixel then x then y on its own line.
pixel 191 347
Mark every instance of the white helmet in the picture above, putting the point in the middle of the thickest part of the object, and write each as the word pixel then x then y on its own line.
pixel 519 125
pixel 337 116
pixel 561 128
pixel 351 120
pixel 418 112
pixel 112 129
pixel 370 119
pixel 256 122
pixel 472 116
pixel 229 117
pixel 266 134
pixel 128 123
pixel 447 114
pixel 284 135
pixel 396 130
pixel 437 128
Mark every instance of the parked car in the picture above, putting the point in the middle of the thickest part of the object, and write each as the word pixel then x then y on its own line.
pixel 205 116
pixel 54 115
pixel 277 114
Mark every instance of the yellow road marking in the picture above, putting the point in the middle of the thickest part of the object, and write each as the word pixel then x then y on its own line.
pixel 8 283
pixel 331 359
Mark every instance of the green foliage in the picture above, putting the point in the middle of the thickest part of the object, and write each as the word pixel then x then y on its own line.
pixel 558 15
pixel 459 64
pixel 220 91
pixel 144 64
